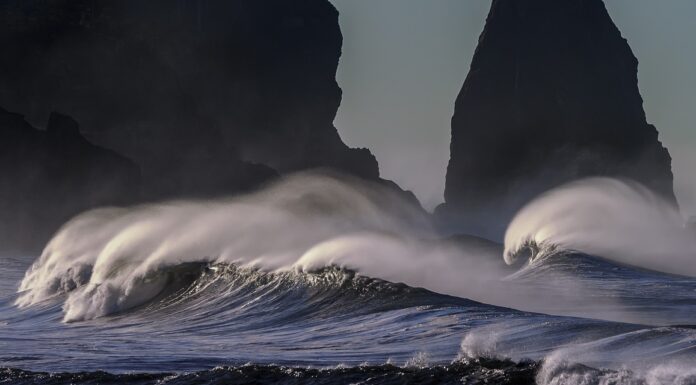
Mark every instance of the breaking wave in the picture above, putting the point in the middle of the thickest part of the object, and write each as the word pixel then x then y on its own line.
pixel 615 219
pixel 110 260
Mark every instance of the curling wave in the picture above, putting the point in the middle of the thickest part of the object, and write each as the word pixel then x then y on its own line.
pixel 110 260
pixel 616 219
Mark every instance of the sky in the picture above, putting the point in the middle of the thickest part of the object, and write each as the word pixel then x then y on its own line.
pixel 404 62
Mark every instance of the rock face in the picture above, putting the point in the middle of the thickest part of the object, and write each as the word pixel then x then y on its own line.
pixel 186 88
pixel 208 97
pixel 552 96
pixel 48 176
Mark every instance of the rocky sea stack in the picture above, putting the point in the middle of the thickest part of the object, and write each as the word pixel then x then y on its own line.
pixel 551 96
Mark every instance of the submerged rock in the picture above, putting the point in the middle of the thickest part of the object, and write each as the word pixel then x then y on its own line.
pixel 551 96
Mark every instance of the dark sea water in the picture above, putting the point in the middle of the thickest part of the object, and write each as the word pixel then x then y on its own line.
pixel 219 323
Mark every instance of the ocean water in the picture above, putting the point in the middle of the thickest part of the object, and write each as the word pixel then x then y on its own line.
pixel 315 280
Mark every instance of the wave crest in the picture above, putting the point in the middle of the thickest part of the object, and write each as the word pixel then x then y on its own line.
pixel 110 260
pixel 615 219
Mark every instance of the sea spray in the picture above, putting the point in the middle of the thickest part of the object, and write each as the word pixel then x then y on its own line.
pixel 109 260
pixel 561 367
pixel 611 218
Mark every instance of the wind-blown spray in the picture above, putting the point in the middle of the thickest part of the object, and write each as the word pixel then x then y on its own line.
pixel 109 260
pixel 615 219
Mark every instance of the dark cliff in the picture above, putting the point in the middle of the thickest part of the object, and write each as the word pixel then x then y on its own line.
pixel 551 96
pixel 47 176
pixel 185 88
pixel 208 97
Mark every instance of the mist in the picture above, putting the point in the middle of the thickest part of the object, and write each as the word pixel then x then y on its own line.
pixel 404 62
pixel 402 66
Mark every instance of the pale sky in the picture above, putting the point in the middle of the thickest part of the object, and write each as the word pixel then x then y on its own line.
pixel 404 62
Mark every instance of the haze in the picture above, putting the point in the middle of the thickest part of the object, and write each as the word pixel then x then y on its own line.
pixel 404 62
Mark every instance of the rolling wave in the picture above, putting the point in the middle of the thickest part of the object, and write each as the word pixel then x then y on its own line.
pixel 110 260
pixel 221 314
pixel 230 296
pixel 616 219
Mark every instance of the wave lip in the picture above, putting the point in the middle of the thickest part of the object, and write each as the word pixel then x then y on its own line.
pixel 529 250
pixel 616 219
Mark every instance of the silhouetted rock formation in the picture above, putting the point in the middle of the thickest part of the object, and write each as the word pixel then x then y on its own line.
pixel 185 85
pixel 208 97
pixel 48 176
pixel 551 96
